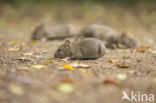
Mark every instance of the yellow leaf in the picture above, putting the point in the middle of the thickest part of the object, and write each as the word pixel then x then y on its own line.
pixel 65 87
pixel 13 42
pixel 39 66
pixel 13 49
pixel 23 68
pixel 48 61
pixel 16 89
pixel 66 66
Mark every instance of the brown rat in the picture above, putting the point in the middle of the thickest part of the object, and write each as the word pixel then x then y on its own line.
pixel 58 31
pixel 87 48
pixel 111 36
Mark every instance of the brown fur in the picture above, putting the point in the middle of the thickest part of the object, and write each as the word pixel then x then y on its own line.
pixel 111 36
pixel 87 48
pixel 59 31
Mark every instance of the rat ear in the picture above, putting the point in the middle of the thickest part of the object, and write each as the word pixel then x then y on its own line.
pixel 67 42
pixel 123 33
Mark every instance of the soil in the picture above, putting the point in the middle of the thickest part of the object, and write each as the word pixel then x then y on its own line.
pixel 102 82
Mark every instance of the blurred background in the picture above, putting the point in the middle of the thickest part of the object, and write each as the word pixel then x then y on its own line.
pixel 138 17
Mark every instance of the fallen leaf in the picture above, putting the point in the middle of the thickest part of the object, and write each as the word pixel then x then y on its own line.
pixel 80 65
pixel 13 49
pixel 64 60
pixel 65 87
pixel 123 50
pixel 114 60
pixel 38 66
pixel 13 42
pixel 48 61
pixel 77 65
pixel 66 66
pixel 23 68
pixel 123 66
pixel 23 59
pixel 27 54
pixel 143 49
pixel 121 76
pixel 111 81
pixel 16 89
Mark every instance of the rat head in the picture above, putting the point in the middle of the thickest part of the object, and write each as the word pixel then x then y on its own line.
pixel 64 50
pixel 39 33
pixel 127 41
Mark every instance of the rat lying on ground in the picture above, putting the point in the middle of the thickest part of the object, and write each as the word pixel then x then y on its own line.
pixel 59 31
pixel 87 48
pixel 112 37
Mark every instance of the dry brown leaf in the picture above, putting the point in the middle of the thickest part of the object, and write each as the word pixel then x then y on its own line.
pixel 143 49
pixel 113 60
pixel 112 81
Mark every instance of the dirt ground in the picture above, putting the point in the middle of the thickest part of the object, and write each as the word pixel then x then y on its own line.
pixel 28 76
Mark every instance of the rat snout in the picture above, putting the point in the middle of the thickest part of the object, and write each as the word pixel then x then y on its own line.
pixel 55 55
